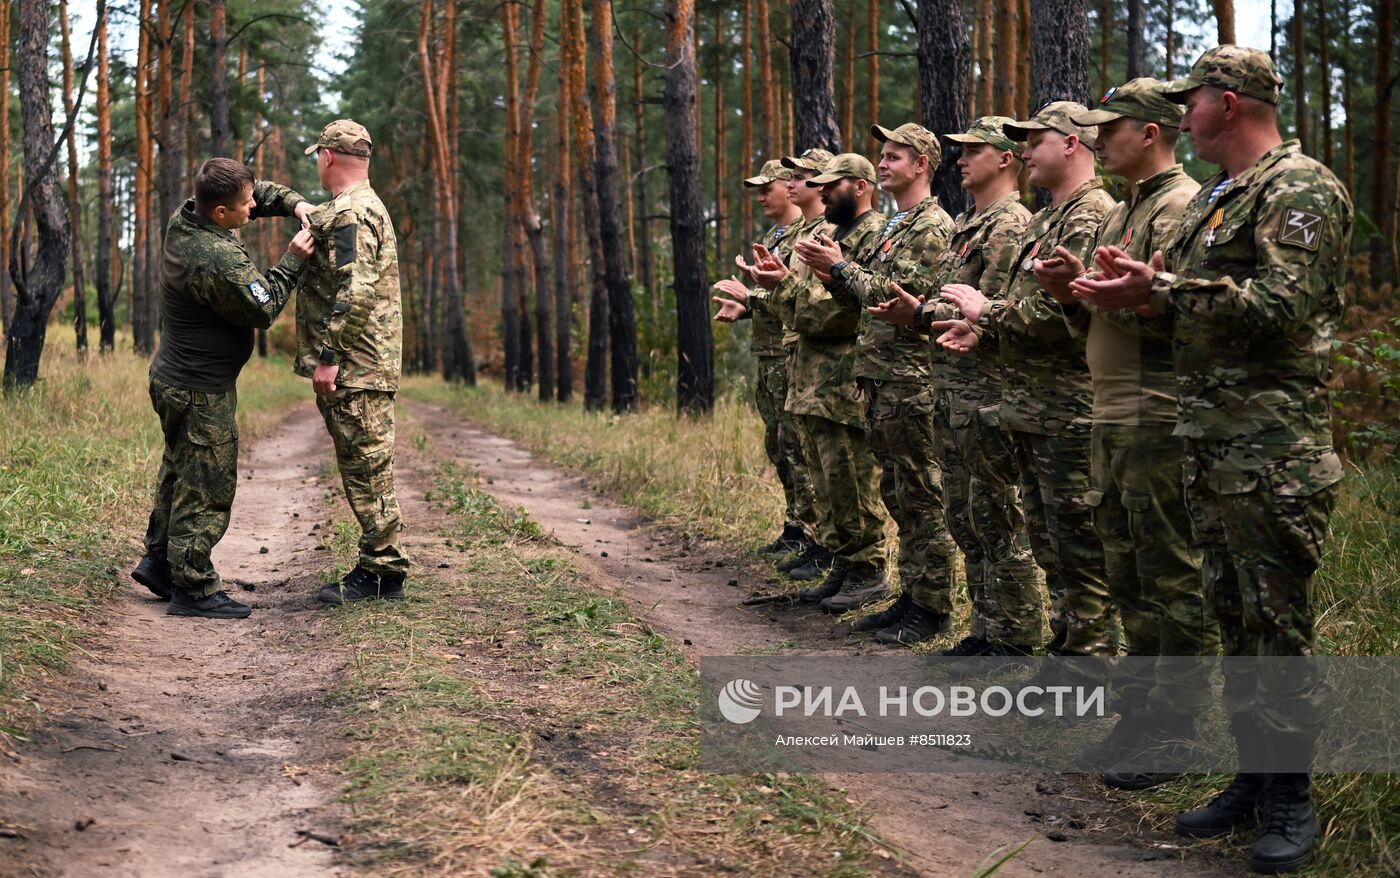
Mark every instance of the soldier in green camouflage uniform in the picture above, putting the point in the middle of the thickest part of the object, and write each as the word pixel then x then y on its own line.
pixel 1046 388
pixel 1154 573
pixel 350 343
pixel 1251 296
pixel 212 297
pixel 893 367
pixel 976 457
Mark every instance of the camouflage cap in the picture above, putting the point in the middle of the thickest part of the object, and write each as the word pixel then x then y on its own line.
pixel 1141 99
pixel 1054 116
pixel 1239 69
pixel 343 135
pixel 916 137
pixel 813 159
pixel 772 172
pixel 989 129
pixel 847 164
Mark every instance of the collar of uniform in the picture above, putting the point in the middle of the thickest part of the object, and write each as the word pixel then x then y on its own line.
pixel 912 214
pixel 842 233
pixel 353 187
pixel 973 220
pixel 191 216
pixel 1159 180
pixel 1082 190
pixel 1264 162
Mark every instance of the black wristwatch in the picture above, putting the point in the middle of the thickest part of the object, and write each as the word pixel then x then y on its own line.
pixel 327 357
pixel 838 268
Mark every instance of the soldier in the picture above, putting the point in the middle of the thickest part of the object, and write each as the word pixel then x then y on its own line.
pixel 1046 390
pixel 770 391
pixel 822 391
pixel 976 457
pixel 1154 573
pixel 1250 289
pixel 350 344
pixel 212 297
pixel 893 369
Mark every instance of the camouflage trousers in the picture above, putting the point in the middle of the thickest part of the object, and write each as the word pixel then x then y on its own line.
pixel 197 480
pixel 900 427
pixel 984 516
pixel 361 424
pixel 1054 473
pixel 784 448
pixel 847 484
pixel 1154 571
pixel 1262 532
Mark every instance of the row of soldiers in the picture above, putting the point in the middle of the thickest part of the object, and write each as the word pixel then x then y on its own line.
pixel 1131 395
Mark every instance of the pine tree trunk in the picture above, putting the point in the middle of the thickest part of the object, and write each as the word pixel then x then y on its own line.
pixel 722 61
pixel 813 75
pixel 985 59
pixel 240 145
pixel 1060 63
pixel 1225 20
pixel 1004 80
pixel 142 332
pixel 1024 31
pixel 561 221
pixel 769 142
pixel 74 207
pixel 695 379
pixel 510 253
pixel 106 208
pixel 1170 72
pixel 1300 75
pixel 1137 46
pixel 170 144
pixel 1385 92
pixel 38 289
pixel 595 370
pixel 218 77
pixel 1348 133
pixel 639 142
pixel 872 73
pixel 945 73
pixel 1324 73
pixel 848 73
pixel 749 159
pixel 184 131
pixel 7 294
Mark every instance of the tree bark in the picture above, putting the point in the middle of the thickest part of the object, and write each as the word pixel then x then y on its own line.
pixel 1171 40
pixel 595 370
pixel 218 78
pixel 848 73
pixel 1324 74
pixel 1300 76
pixel 7 296
pixel 872 73
pixel 639 141
pixel 1060 61
pixel 74 213
pixel 1004 76
pixel 1137 44
pixel 695 379
pixel 142 330
pixel 106 208
pixel 746 51
pixel 562 221
pixel 38 288
pixel 184 130
pixel 721 147
pixel 813 76
pixel 1024 30
pixel 769 141
pixel 1349 132
pixel 985 61
pixel 1385 92
pixel 168 138
pixel 510 202
pixel 945 72
pixel 1224 20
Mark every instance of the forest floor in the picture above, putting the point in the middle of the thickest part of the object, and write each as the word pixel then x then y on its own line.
pixel 528 711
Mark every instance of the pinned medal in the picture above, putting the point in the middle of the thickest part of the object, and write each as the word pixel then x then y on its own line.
pixel 962 254
pixel 1029 263
pixel 885 250
pixel 1128 240
pixel 1216 219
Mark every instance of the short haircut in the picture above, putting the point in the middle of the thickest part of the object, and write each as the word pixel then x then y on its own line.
pixel 1169 133
pixel 220 181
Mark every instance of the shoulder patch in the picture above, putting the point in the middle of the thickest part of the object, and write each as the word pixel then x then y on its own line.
pixel 345 245
pixel 259 292
pixel 1301 228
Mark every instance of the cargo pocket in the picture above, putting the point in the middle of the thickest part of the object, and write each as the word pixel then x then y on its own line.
pixel 211 424
pixel 1138 505
pixel 1200 505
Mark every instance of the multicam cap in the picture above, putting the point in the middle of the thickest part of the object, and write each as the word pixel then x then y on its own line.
pixel 813 159
pixel 343 135
pixel 1054 116
pixel 772 172
pixel 1239 69
pixel 916 137
pixel 989 129
pixel 1141 99
pixel 847 164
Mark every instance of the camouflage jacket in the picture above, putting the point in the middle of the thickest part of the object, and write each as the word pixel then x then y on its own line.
pixel 1133 374
pixel 821 377
pixel 213 296
pixel 979 255
pixel 348 306
pixel 1046 387
pixel 1252 297
pixel 904 253
pixel 767 337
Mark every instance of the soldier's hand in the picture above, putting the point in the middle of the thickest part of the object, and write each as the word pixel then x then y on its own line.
pixel 957 336
pixel 900 310
pixel 304 212
pixel 323 379
pixel 744 266
pixel 969 300
pixel 1128 286
pixel 729 310
pixel 820 252
pixel 1056 274
pixel 302 245
pixel 769 270
pixel 735 290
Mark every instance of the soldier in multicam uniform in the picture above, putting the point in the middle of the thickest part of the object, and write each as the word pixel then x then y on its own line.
pixel 822 390
pixel 976 457
pixel 212 297
pixel 893 370
pixel 800 523
pixel 1046 388
pixel 1154 572
pixel 1250 290
pixel 350 343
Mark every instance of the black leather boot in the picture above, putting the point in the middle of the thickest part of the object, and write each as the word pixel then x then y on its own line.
pixel 792 539
pixel 153 571
pixel 919 624
pixel 359 584
pixel 860 588
pixel 1288 826
pixel 817 563
pixel 830 586
pixel 885 618
pixel 216 606
pixel 1237 805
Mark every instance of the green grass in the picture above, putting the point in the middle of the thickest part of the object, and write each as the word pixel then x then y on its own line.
pixel 78 458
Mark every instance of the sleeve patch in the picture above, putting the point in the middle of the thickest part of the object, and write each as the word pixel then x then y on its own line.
pixel 345 245
pixel 1301 228
pixel 259 292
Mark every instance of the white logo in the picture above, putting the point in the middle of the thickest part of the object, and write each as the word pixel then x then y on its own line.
pixel 259 292
pixel 741 701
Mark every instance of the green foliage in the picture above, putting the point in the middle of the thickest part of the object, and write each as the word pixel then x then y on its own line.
pixel 1372 391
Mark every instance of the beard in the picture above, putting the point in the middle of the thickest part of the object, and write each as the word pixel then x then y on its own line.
pixel 841 209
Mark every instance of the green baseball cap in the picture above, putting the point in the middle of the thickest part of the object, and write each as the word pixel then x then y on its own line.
pixel 772 172
pixel 989 129
pixel 344 135
pixel 1054 116
pixel 813 159
pixel 916 137
pixel 847 164
pixel 1239 69
pixel 1141 99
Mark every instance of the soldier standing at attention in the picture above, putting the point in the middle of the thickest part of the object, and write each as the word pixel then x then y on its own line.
pixel 350 344
pixel 893 369
pixel 212 298
pixel 1154 573
pixel 1046 389
pixel 1250 290
pixel 975 455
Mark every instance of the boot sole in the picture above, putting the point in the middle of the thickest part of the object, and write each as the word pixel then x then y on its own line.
pixel 1136 781
pixel 1273 868
pixel 199 614
pixel 369 597
pixel 153 585
pixel 1189 832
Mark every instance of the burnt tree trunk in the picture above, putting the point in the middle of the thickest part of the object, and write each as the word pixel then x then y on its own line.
pixel 813 76
pixel 1060 52
pixel 945 73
